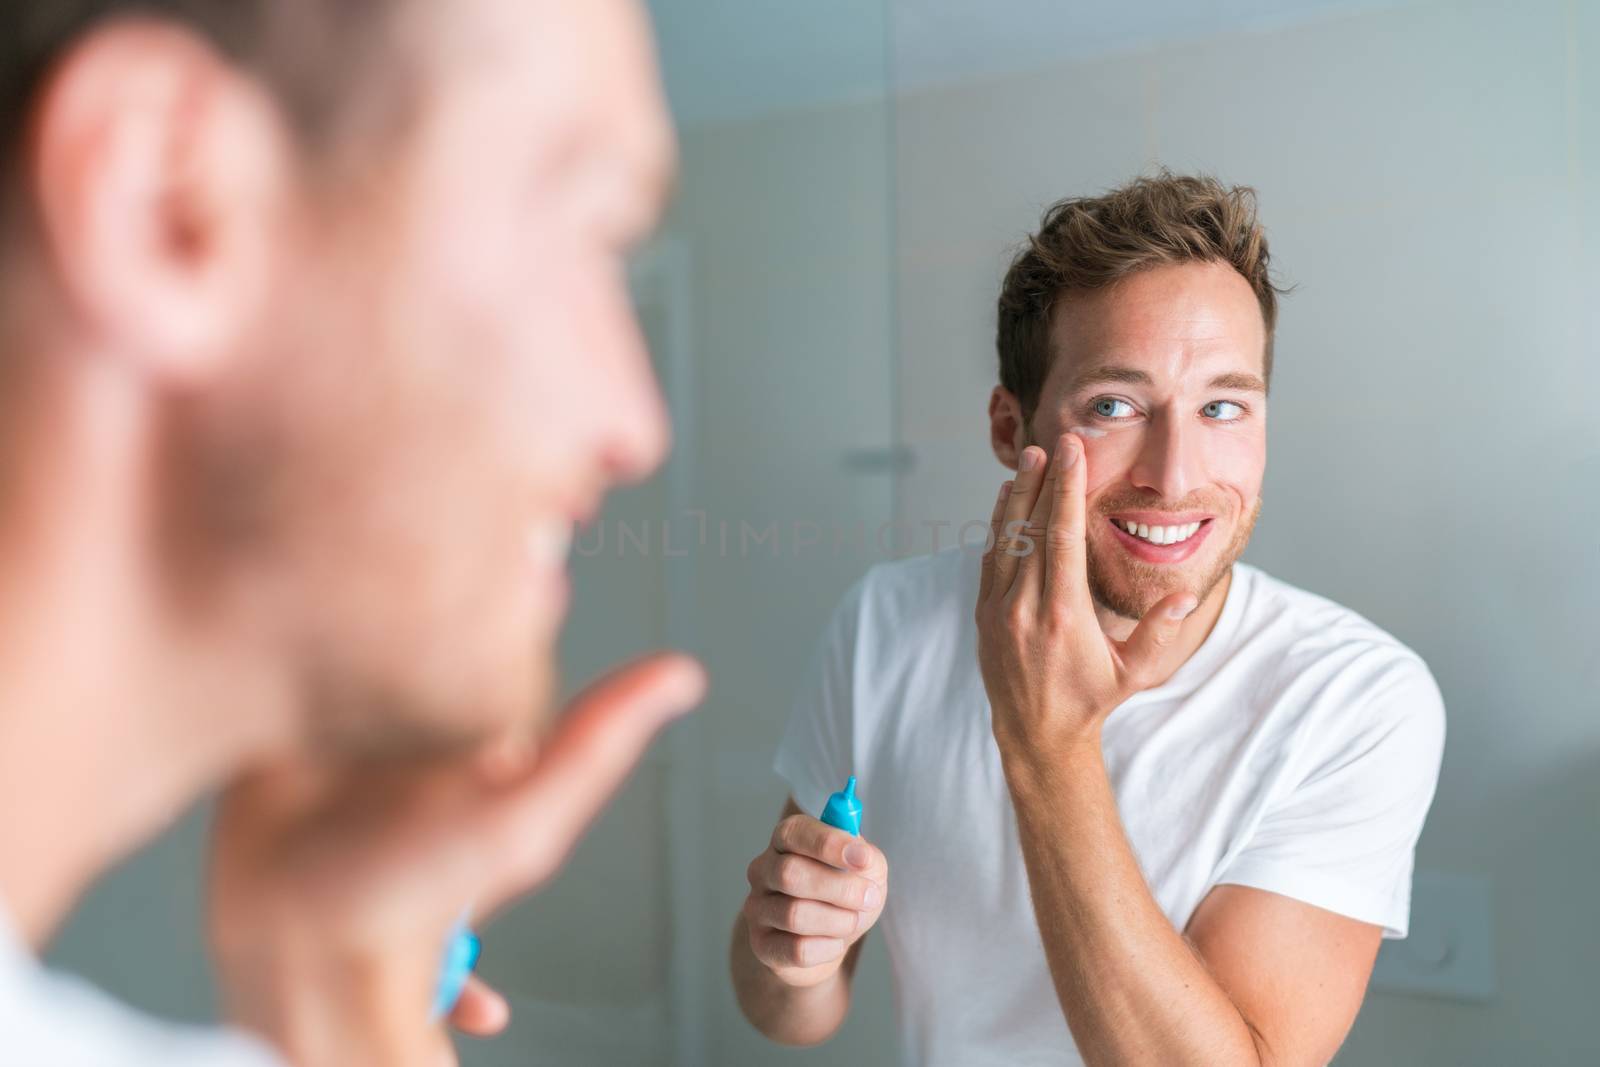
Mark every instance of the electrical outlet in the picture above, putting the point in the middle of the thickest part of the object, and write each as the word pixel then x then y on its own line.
pixel 1450 950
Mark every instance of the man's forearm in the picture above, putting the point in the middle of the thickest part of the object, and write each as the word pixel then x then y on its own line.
pixel 1132 989
pixel 789 1015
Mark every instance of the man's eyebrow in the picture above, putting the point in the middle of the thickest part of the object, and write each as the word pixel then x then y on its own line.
pixel 1134 376
pixel 1248 383
pixel 1108 375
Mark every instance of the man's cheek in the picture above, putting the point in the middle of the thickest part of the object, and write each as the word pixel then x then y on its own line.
pixel 528 389
pixel 1238 460
pixel 1102 467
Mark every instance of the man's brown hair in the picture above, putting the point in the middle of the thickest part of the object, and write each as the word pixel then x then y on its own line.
pixel 1092 242
pixel 305 50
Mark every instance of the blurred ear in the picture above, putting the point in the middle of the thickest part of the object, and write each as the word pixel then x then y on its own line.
pixel 1007 433
pixel 159 175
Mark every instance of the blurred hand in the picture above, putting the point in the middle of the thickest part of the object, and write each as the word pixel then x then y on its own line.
pixel 333 889
pixel 481 1012
pixel 814 892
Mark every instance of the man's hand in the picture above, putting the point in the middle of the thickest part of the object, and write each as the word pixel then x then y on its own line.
pixel 814 892
pixel 1051 673
pixel 334 889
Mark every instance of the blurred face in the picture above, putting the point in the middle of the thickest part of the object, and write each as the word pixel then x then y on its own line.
pixel 1161 377
pixel 452 374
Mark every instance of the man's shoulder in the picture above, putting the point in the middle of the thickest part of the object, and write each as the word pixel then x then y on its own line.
pixel 930 590
pixel 51 1018
pixel 1294 616
pixel 900 613
pixel 1305 638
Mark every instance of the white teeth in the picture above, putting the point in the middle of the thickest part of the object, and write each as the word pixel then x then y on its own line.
pixel 1161 535
pixel 549 543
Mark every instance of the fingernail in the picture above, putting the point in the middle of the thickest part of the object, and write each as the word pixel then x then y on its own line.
pixel 1183 609
pixel 856 854
pixel 1030 458
pixel 869 899
pixel 1066 454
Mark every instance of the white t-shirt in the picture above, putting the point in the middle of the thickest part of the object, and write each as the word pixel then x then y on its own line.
pixel 55 1020
pixel 1296 751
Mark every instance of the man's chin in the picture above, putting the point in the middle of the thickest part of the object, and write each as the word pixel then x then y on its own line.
pixel 1132 600
pixel 1129 588
pixel 399 723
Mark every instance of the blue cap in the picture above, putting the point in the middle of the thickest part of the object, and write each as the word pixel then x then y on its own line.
pixel 460 957
pixel 843 810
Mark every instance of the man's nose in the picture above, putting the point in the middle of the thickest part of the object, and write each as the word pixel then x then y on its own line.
pixel 1169 461
pixel 636 428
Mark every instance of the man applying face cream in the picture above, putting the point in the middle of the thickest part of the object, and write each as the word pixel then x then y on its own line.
pixel 1143 803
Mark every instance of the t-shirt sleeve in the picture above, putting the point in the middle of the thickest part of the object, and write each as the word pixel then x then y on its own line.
pixel 816 753
pixel 1344 835
pixel 49 1019
pixel 62 1021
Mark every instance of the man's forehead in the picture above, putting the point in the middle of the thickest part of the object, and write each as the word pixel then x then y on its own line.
pixel 1171 324
pixel 588 69
pixel 1191 299
pixel 1159 360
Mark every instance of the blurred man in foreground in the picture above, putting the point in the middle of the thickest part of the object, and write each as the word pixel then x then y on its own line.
pixel 315 344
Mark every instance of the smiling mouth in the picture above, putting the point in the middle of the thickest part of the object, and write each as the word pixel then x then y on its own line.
pixel 1160 535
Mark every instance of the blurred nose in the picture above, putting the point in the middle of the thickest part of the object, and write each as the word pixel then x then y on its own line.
pixel 636 429
pixel 1168 462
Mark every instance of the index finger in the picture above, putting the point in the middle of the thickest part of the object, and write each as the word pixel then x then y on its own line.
pixel 805 836
pixel 536 821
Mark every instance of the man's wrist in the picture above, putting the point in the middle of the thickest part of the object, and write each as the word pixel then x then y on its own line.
pixel 792 1014
pixel 1032 764
pixel 317 1018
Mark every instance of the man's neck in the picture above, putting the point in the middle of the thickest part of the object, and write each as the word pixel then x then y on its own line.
pixel 114 716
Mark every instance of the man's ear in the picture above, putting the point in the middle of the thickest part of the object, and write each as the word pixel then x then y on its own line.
pixel 1008 433
pixel 159 175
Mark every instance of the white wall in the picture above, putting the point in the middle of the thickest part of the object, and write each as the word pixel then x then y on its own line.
pixel 1428 176
pixel 787 222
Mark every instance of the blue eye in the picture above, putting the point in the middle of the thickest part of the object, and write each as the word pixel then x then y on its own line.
pixel 1106 407
pixel 1214 410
